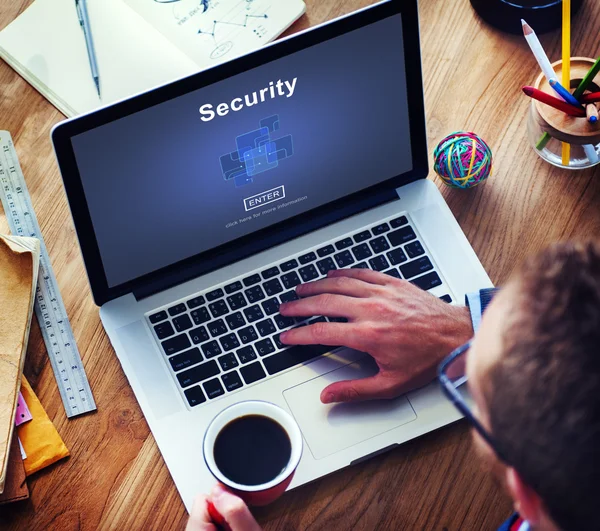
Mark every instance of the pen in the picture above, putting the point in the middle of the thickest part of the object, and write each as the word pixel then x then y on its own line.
pixel 84 21
pixel 567 108
pixel 564 93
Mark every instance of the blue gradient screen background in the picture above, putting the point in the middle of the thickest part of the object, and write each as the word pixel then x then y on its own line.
pixel 153 180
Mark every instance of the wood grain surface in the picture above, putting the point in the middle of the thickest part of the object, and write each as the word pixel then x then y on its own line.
pixel 116 479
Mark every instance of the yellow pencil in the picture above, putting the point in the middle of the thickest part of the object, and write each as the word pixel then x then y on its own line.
pixel 566 64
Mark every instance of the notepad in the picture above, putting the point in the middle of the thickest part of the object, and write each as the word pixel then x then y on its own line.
pixel 139 44
pixel 19 263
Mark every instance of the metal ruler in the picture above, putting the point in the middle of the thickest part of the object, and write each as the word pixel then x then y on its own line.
pixel 49 307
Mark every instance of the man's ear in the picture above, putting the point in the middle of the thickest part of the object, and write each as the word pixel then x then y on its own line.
pixel 527 502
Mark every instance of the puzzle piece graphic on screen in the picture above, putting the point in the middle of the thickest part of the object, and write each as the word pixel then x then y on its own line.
pixel 280 149
pixel 232 166
pixel 257 161
pixel 251 140
pixel 242 180
pixel 271 123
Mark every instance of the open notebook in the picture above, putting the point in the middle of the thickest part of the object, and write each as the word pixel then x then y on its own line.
pixel 139 44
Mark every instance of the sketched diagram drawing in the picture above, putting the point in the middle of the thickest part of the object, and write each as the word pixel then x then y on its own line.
pixel 257 151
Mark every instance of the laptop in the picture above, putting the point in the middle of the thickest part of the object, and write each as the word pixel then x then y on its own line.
pixel 200 206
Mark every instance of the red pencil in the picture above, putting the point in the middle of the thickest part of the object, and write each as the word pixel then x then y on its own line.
pixel 590 98
pixel 544 97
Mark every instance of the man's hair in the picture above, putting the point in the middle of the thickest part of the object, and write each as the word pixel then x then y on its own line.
pixel 544 392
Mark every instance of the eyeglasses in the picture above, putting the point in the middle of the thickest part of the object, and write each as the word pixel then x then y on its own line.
pixel 452 377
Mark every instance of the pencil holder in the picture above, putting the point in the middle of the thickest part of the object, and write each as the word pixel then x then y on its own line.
pixel 548 128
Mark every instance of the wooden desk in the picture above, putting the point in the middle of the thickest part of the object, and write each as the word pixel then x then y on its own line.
pixel 116 478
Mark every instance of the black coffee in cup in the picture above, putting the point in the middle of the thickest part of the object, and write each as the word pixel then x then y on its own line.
pixel 252 450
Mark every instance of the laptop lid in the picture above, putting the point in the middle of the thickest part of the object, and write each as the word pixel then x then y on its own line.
pixel 199 173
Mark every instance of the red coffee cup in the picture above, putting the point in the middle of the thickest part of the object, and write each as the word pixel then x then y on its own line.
pixel 269 491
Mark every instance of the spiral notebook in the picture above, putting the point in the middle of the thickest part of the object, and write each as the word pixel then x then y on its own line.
pixel 139 44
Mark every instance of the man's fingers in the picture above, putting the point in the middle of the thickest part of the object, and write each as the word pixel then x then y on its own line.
pixel 333 334
pixel 357 390
pixel 366 275
pixel 324 304
pixel 340 285
pixel 233 509
pixel 199 518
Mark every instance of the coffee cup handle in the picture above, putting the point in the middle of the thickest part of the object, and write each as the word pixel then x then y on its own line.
pixel 217 518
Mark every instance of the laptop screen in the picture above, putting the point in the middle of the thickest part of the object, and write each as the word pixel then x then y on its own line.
pixel 218 163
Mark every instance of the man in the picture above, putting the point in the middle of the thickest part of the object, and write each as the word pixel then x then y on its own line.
pixel 533 371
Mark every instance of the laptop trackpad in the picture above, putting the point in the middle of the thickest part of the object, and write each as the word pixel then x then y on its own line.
pixel 329 428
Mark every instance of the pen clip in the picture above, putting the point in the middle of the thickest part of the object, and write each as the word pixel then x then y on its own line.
pixel 79 13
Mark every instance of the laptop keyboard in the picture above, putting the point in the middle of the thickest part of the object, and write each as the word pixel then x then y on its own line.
pixel 227 338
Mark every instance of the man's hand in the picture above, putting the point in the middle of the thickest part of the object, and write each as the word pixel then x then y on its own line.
pixel 407 331
pixel 232 509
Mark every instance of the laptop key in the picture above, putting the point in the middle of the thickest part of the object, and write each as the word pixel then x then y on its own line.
pixel 344 244
pixel 327 264
pixel 361 251
pixel 283 322
pixel 428 281
pixel 213 388
pixel 253 372
pixel 308 273
pixel 247 334
pixel 289 265
pixel 306 258
pixel 360 265
pixel 246 354
pixel 379 263
pixel 176 344
pixel 446 298
pixel 251 280
pixel 236 301
pixel 327 250
pixel 414 249
pixel 199 335
pixel 199 373
pixel 380 229
pixel 264 347
pixel 253 313
pixel 157 317
pixel 163 330
pixel 218 308
pixel 185 359
pixel 271 306
pixel 216 328
pixel 232 381
pixel 200 315
pixel 289 296
pixel 379 245
pixel 266 327
pixel 194 396
pixel 416 267
pixel 397 256
pixel 362 236
pixel 214 294
pixel 337 319
pixel 235 320
pixel 398 222
pixel 272 287
pixel 393 273
pixel 228 361
pixel 182 323
pixel 211 349
pixel 344 258
pixel 195 302
pixel 229 342
pixel 254 294
pixel 277 340
pixel 270 273
pixel 400 236
pixel 233 287
pixel 177 309
pixel 294 356
pixel 290 280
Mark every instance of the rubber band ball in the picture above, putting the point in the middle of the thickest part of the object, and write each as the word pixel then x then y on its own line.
pixel 463 160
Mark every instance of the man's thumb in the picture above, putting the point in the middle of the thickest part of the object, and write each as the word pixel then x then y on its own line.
pixel 357 390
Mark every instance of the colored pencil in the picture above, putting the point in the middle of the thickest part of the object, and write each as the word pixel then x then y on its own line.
pixel 592 113
pixel 546 98
pixel 538 51
pixel 589 77
pixel 566 67
pixel 592 97
pixel 564 93
pixel 590 152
